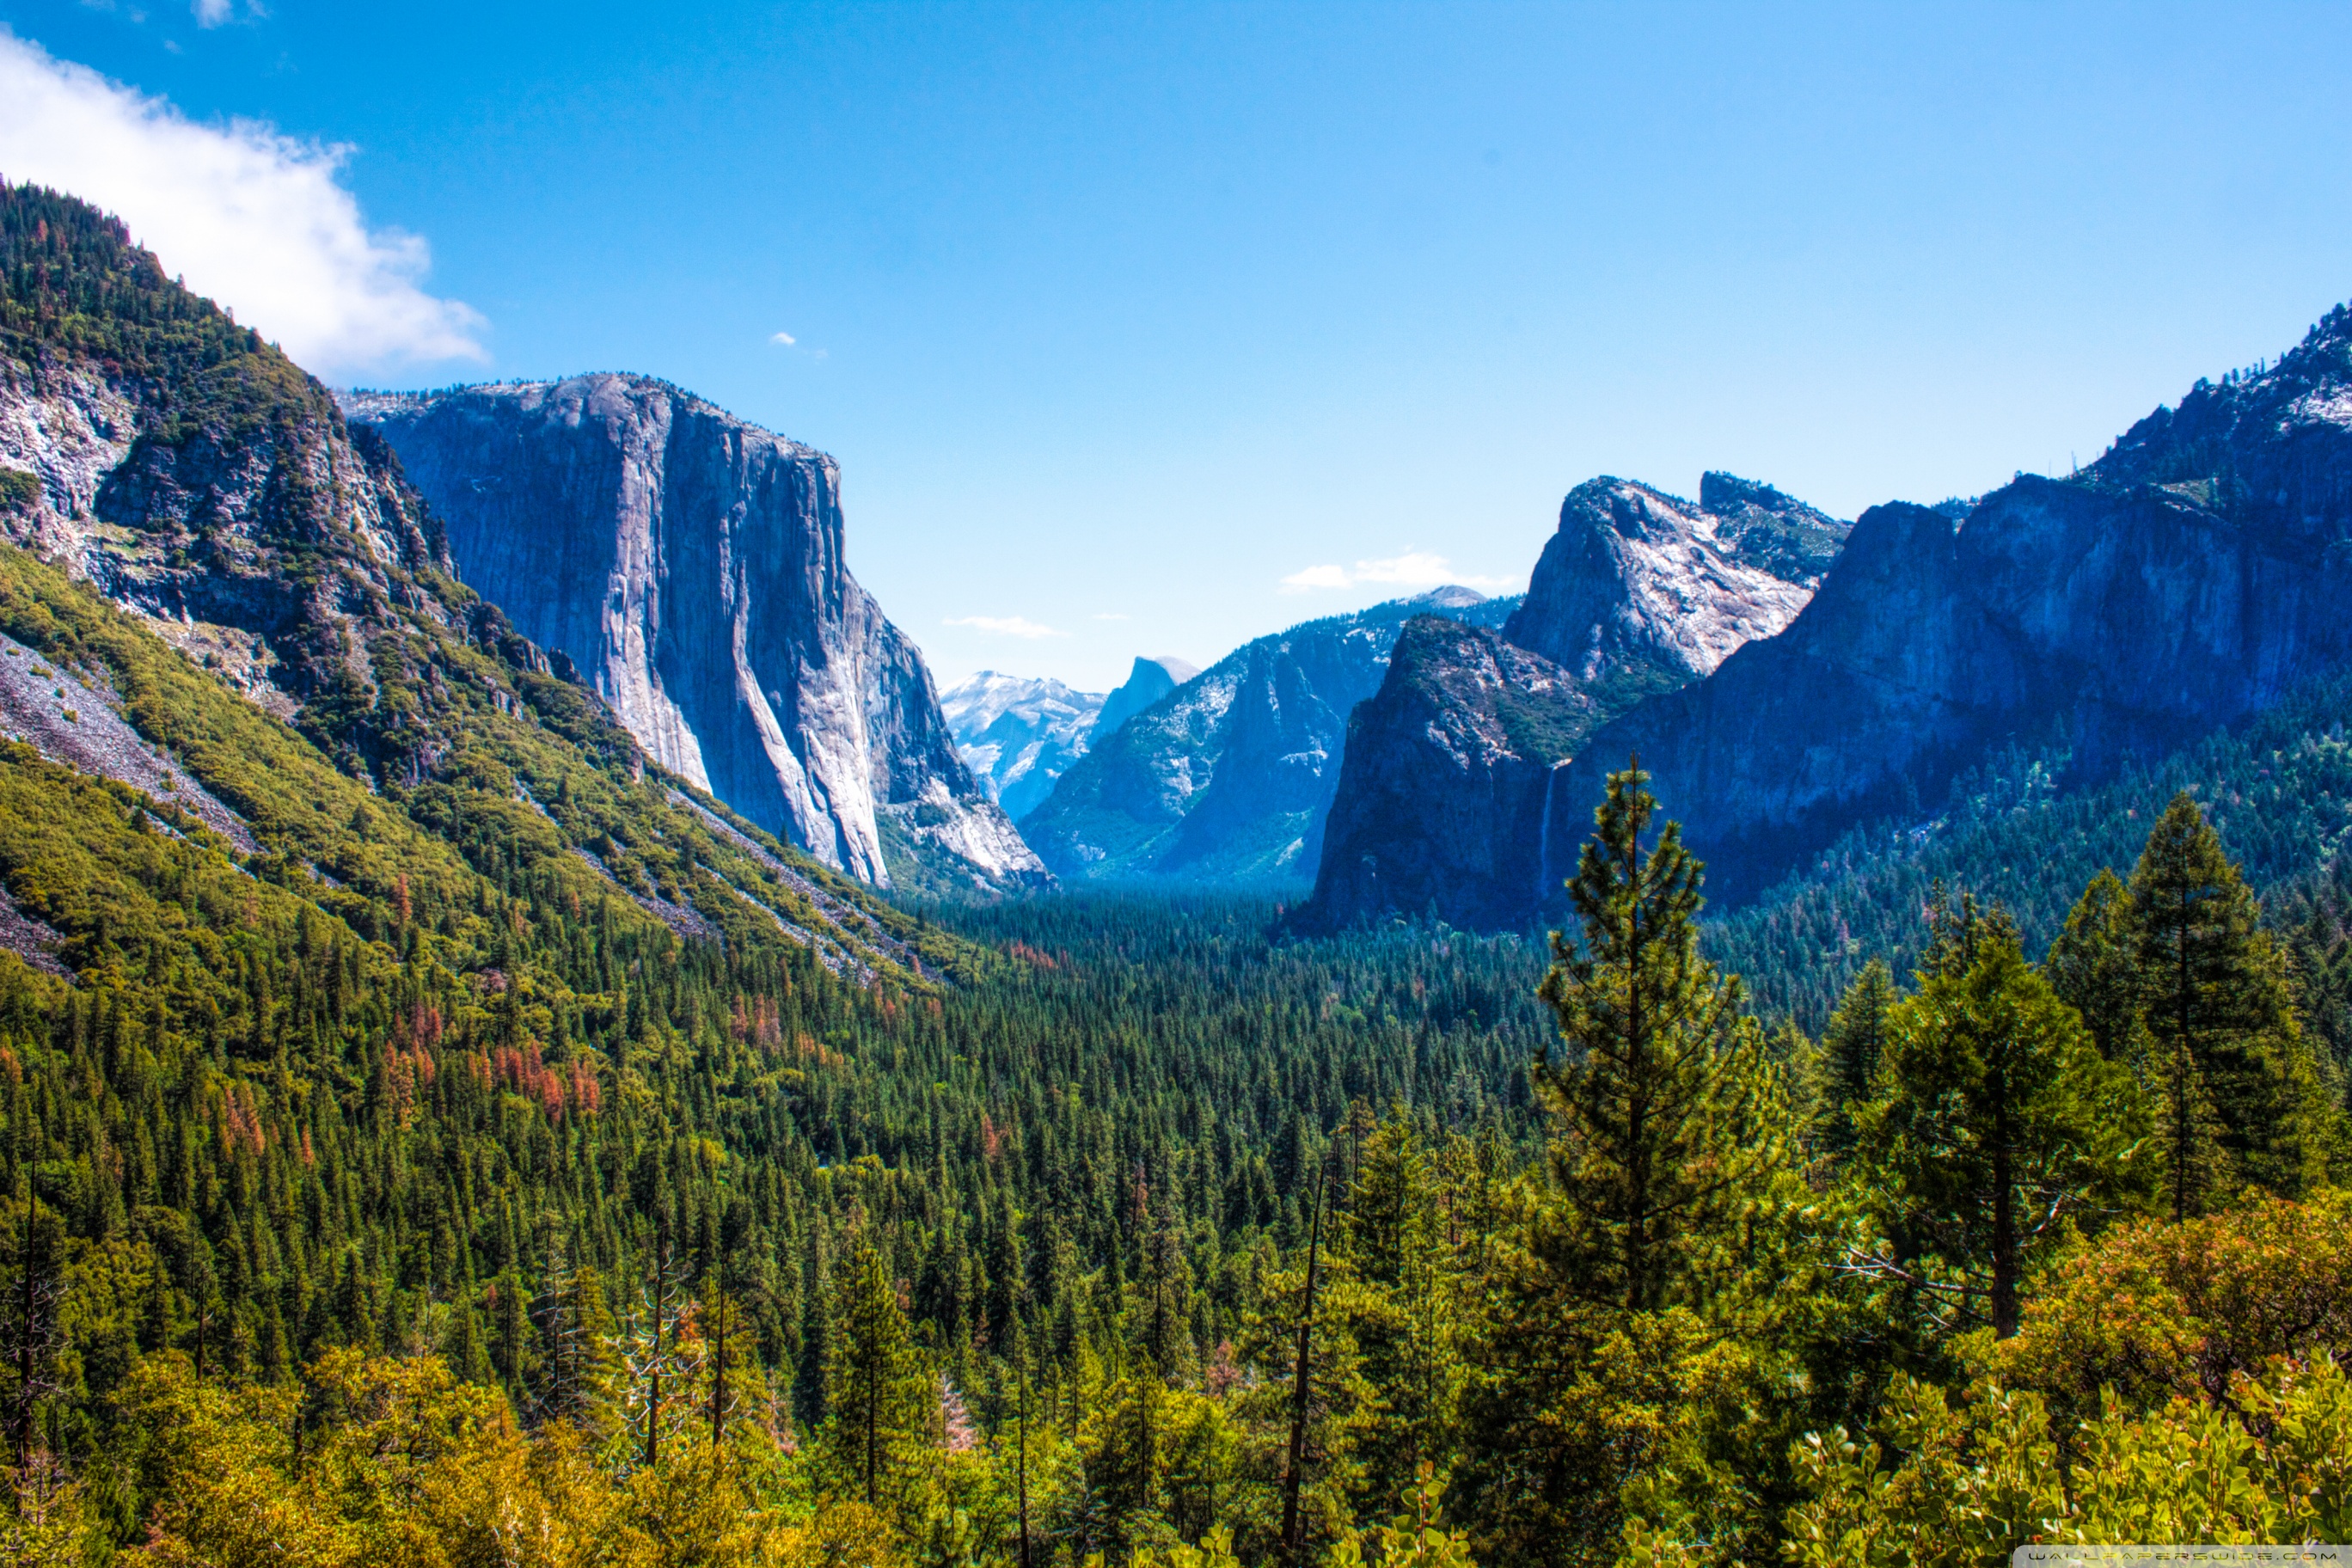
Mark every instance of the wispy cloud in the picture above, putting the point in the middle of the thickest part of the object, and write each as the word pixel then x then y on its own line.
pixel 258 221
pixel 783 339
pixel 1006 627
pixel 1110 616
pixel 1413 569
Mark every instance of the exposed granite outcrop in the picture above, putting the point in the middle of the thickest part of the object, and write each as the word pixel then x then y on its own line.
pixel 266 542
pixel 2196 572
pixel 692 565
pixel 1636 576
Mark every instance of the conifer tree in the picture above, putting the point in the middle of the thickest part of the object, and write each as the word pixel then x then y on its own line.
pixel 1409 1317
pixel 577 1362
pixel 1999 1124
pixel 1654 1096
pixel 2240 1093
pixel 1851 1049
pixel 880 1392
pixel 2094 965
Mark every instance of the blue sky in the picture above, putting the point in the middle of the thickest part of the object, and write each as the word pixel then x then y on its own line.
pixel 1117 317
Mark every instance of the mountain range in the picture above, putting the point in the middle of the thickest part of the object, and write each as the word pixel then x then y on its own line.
pixel 674 580
pixel 1226 780
pixel 2192 576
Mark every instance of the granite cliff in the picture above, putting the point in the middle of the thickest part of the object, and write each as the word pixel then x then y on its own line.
pixel 1442 798
pixel 1444 779
pixel 2194 575
pixel 1226 779
pixel 692 566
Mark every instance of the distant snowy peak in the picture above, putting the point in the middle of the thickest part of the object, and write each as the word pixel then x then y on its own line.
pixel 1019 734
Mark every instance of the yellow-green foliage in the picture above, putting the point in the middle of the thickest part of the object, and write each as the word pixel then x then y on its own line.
pixel 1980 1477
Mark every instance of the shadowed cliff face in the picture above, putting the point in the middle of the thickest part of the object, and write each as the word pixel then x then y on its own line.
pixel 691 565
pixel 2191 576
pixel 1444 779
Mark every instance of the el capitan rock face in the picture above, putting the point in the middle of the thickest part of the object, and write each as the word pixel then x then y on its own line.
pixel 2195 574
pixel 1440 804
pixel 691 565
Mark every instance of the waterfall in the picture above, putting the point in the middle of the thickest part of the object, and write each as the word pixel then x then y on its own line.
pixel 1543 841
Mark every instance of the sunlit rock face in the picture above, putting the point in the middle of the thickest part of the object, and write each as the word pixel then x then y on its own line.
pixel 692 566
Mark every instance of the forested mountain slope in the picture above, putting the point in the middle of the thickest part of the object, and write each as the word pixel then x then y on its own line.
pixel 2021 829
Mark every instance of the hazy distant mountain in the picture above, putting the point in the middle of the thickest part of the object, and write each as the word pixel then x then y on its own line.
pixel 1153 677
pixel 1225 778
pixel 1019 734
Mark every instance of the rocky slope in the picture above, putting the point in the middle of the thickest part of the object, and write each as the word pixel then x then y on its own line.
pixel 693 566
pixel 341 716
pixel 2198 571
pixel 1226 779
pixel 1440 805
pixel 1019 734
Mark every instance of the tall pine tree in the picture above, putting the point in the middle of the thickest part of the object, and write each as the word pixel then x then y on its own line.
pixel 2241 1096
pixel 1656 1093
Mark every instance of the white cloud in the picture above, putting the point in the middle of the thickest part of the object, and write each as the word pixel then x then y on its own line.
pixel 1413 569
pixel 1005 625
pixel 1314 577
pixel 212 12
pixel 783 339
pixel 1110 616
pixel 253 219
